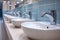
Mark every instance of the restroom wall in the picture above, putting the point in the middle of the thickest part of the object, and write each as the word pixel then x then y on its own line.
pixel 38 8
pixel 47 5
pixel 5 6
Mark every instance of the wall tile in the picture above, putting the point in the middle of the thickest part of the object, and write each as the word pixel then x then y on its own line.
pixel 57 0
pixel 42 2
pixel 57 7
pixel 49 1
pixel 42 6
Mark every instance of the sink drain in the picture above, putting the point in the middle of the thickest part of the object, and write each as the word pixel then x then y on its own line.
pixel 47 27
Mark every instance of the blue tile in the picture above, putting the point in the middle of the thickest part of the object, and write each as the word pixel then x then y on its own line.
pixel 41 2
pixel 57 7
pixel 47 8
pixel 35 4
pixel 49 1
pixel 57 0
pixel 46 2
pixel 40 7
pixel 58 17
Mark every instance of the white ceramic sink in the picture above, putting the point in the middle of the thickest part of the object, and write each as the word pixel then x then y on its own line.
pixel 5 16
pixel 9 17
pixel 41 30
pixel 17 22
pixel 12 17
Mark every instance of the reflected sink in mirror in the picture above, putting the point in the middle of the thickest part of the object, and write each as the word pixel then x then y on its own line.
pixel 41 30
pixel 17 22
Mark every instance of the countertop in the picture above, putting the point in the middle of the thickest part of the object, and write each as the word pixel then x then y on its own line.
pixel 15 33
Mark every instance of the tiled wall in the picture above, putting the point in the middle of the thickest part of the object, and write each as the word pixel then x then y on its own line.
pixel 42 6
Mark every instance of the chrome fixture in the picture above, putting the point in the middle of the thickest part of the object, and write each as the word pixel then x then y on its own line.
pixel 19 14
pixel 51 16
pixel 28 14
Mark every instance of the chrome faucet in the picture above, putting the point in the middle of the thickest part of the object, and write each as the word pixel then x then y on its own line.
pixel 13 13
pixel 19 14
pixel 28 14
pixel 51 16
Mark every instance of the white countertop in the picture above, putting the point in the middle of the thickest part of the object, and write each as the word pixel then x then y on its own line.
pixel 14 33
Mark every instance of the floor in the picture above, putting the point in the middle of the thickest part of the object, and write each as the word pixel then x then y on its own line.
pixel 3 34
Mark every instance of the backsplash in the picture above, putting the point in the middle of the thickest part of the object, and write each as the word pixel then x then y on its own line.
pixel 42 6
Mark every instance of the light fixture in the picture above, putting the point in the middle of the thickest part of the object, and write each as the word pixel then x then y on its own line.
pixel 4 2
pixel 8 2
pixel 17 2
pixel 21 0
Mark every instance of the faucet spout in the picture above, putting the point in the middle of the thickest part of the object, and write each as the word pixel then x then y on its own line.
pixel 28 14
pixel 51 18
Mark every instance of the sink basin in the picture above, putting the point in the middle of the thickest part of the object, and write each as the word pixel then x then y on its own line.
pixel 12 17
pixel 17 22
pixel 5 17
pixel 41 30
pixel 9 17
